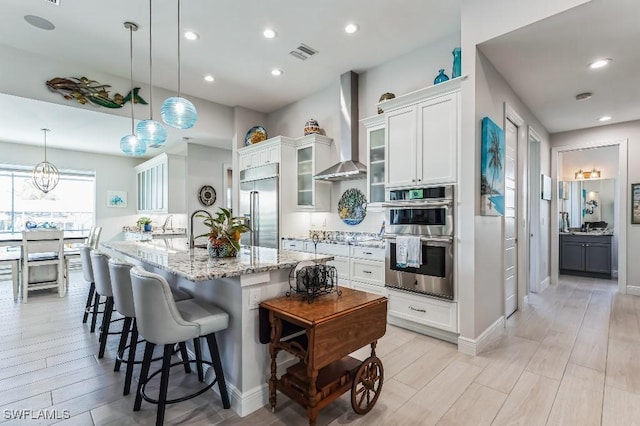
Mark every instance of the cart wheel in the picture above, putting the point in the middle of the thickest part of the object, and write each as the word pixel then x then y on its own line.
pixel 367 385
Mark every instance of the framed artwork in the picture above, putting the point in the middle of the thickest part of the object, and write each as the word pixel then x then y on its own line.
pixel 492 169
pixel 635 203
pixel 117 199
pixel 545 184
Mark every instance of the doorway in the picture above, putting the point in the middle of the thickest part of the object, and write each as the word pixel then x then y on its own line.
pixel 535 240
pixel 620 214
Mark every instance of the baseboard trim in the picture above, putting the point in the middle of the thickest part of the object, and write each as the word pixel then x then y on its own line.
pixel 544 284
pixel 423 329
pixel 633 290
pixel 473 347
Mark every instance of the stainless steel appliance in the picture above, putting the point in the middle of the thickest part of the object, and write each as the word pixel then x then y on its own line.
pixel 259 205
pixel 428 214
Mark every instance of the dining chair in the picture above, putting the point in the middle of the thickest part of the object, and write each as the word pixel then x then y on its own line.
pixel 92 241
pixel 43 263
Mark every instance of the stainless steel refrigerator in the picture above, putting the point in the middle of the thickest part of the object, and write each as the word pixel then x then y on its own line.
pixel 259 205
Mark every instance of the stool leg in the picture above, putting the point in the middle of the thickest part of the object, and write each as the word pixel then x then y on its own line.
pixel 144 373
pixel 94 314
pixel 92 289
pixel 164 384
pixel 185 357
pixel 217 367
pixel 132 357
pixel 198 349
pixel 106 322
pixel 126 327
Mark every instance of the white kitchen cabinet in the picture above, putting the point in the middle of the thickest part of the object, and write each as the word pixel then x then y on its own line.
pixel 375 129
pixel 267 152
pixel 422 132
pixel 415 308
pixel 302 158
pixel 161 184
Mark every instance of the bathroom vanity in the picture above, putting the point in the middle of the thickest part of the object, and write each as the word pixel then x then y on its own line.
pixel 585 254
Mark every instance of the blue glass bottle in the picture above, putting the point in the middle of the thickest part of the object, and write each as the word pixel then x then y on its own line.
pixel 440 77
pixel 457 63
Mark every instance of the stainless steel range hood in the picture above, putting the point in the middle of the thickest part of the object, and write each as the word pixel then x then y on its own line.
pixel 349 167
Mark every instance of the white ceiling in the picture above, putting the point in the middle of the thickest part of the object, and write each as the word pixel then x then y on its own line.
pixel 231 47
pixel 546 64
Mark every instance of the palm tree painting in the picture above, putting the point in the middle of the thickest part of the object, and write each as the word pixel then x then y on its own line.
pixel 492 169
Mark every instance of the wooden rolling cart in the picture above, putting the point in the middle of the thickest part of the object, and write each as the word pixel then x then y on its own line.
pixel 321 335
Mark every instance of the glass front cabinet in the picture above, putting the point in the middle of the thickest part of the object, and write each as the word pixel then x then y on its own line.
pixel 375 159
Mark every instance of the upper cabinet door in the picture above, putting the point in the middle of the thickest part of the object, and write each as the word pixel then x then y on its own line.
pixel 401 147
pixel 437 140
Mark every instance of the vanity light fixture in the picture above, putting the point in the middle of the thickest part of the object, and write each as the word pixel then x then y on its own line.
pixel 604 118
pixel 45 175
pixel 351 28
pixel 269 33
pixel 177 111
pixel 600 63
pixel 593 174
pixel 580 174
pixel 150 132
pixel 130 144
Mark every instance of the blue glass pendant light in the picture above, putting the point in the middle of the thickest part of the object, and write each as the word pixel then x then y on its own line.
pixel 151 132
pixel 177 111
pixel 130 144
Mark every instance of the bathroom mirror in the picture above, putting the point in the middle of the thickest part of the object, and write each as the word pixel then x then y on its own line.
pixel 588 201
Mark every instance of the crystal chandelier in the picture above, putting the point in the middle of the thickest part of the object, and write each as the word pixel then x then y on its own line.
pixel 45 175
pixel 177 111
pixel 130 144
pixel 150 132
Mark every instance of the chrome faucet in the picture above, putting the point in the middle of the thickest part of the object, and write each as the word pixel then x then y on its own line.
pixel 191 238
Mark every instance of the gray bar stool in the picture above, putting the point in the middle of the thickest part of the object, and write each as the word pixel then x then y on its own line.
pixel 162 321
pixel 87 272
pixel 119 272
pixel 99 263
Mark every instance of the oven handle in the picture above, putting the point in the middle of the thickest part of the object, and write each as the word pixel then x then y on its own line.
pixel 422 238
pixel 417 204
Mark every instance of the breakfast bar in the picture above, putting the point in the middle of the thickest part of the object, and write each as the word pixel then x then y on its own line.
pixel 237 285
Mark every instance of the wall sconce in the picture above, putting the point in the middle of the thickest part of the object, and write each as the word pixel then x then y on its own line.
pixel 593 174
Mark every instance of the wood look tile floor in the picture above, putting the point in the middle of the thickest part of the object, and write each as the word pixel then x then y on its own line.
pixel 570 357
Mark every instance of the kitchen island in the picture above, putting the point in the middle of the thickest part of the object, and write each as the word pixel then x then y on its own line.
pixel 236 285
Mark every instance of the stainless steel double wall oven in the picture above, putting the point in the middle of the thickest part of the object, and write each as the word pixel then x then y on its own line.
pixel 428 213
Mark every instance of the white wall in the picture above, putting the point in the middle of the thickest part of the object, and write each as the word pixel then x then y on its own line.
pixel 483 20
pixel 402 75
pixel 112 173
pixel 204 167
pixel 631 132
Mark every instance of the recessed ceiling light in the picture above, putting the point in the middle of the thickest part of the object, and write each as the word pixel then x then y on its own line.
pixel 39 22
pixel 276 72
pixel 190 35
pixel 209 78
pixel 269 33
pixel 351 28
pixel 583 96
pixel 604 118
pixel 600 63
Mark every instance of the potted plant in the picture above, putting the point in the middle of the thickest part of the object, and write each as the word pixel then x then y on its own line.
pixel 144 223
pixel 224 233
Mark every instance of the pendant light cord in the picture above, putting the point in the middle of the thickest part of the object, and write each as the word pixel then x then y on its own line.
pixel 131 62
pixel 178 48
pixel 45 144
pixel 150 66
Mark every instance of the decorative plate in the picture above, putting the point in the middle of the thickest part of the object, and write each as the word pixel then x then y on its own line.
pixel 207 195
pixel 352 206
pixel 255 135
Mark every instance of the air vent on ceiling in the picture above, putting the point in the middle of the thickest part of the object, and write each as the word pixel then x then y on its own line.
pixel 303 52
pixel 56 2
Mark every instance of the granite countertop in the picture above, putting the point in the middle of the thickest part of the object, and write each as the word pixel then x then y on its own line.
pixel 362 243
pixel 590 233
pixel 174 256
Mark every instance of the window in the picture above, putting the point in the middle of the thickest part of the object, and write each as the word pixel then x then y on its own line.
pixel 70 206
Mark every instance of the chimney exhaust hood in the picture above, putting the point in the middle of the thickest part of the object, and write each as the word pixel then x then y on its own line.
pixel 349 167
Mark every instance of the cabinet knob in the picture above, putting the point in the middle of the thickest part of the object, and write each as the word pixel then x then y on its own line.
pixel 419 180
